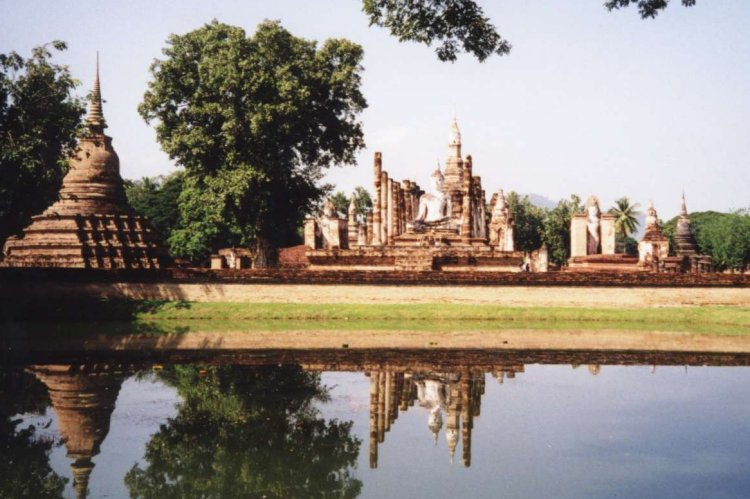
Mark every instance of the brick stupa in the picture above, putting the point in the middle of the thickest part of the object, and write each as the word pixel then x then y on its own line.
pixel 91 225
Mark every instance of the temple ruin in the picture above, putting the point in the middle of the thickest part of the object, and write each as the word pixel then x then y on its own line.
pixel 91 225
pixel 443 228
pixel 687 257
pixel 592 241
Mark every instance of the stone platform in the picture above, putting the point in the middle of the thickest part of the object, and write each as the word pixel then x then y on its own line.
pixel 479 258
pixel 91 241
pixel 605 263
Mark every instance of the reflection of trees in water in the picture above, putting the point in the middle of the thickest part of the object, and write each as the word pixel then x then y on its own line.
pixel 247 432
pixel 24 455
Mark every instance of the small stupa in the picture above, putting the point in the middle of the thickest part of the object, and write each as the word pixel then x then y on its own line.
pixel 91 225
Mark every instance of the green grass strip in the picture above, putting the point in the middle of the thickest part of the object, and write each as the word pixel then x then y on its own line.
pixel 122 316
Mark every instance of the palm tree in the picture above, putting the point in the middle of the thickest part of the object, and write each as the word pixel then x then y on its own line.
pixel 626 222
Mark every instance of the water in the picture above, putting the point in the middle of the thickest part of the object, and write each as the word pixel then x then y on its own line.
pixel 358 424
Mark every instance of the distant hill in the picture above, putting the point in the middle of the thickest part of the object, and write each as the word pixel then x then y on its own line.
pixel 541 201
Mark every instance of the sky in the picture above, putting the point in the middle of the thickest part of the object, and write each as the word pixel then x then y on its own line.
pixel 587 102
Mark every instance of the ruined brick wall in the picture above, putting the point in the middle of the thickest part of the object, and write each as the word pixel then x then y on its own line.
pixel 9 276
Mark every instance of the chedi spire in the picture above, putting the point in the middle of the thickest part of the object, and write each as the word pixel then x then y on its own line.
pixel 685 243
pixel 95 119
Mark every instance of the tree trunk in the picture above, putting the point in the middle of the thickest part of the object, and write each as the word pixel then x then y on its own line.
pixel 264 255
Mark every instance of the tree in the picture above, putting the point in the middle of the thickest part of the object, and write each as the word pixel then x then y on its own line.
pixel 246 431
pixel 362 202
pixel 341 201
pixel 557 228
pixel 25 469
pixel 460 25
pixel 455 24
pixel 254 121
pixel 646 8
pixel 529 222
pixel 39 122
pixel 156 198
pixel 626 222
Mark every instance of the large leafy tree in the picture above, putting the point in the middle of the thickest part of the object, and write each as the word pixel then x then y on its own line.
pixel 246 431
pixel 254 121
pixel 39 121
pixel 557 228
pixel 529 222
pixel 457 26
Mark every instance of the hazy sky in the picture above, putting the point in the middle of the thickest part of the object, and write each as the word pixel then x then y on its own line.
pixel 588 101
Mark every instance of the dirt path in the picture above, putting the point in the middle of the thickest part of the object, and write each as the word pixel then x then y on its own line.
pixel 512 296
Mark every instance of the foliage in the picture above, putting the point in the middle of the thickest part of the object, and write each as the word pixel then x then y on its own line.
pixel 24 461
pixel 362 202
pixel 247 432
pixel 646 8
pixel 341 201
pixel 156 198
pixel 626 245
pixel 626 222
pixel 460 25
pixel 254 121
pixel 529 222
pixel 723 236
pixel 455 25
pixel 39 121
pixel 557 228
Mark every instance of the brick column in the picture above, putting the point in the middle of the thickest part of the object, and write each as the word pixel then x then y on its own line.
pixel 376 216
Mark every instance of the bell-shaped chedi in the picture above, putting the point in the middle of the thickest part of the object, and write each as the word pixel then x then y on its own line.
pixel 83 400
pixel 91 225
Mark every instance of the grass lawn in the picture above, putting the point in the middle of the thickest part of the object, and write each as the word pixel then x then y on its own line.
pixel 121 315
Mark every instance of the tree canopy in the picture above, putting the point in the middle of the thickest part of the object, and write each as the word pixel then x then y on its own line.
pixel 156 198
pixel 646 8
pixel 627 216
pixel 457 26
pixel 39 122
pixel 245 431
pixel 529 222
pixel 362 202
pixel 723 236
pixel 254 121
pixel 557 228
pixel 25 469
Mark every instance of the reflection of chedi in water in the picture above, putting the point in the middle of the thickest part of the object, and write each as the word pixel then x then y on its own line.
pixel 83 400
pixel 452 401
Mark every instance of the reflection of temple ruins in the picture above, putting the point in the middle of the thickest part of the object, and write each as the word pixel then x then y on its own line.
pixel 452 400
pixel 92 225
pixel 444 228
pixel 83 400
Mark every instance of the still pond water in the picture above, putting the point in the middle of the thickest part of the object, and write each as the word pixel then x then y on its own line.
pixel 480 428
